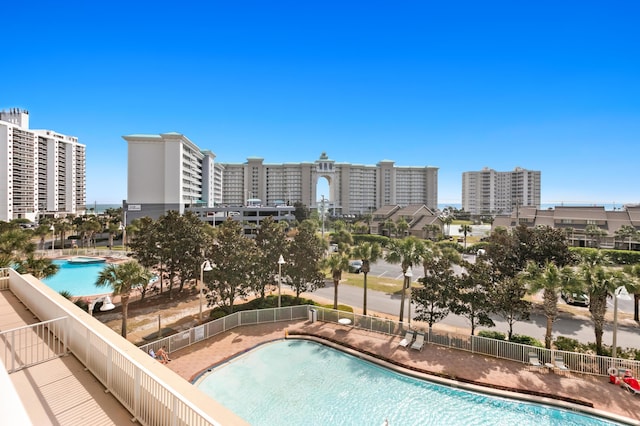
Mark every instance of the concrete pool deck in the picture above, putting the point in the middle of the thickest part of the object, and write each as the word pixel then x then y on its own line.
pixel 192 361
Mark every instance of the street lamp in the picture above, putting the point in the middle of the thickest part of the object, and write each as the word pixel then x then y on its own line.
pixel 53 240
pixel 123 228
pixel 106 304
pixel 206 266
pixel 622 293
pixel 409 275
pixel 280 263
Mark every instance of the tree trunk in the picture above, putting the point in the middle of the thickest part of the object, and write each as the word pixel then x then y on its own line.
pixel 124 299
pixel 636 300
pixel 364 302
pixel 335 293
pixel 404 284
pixel 547 336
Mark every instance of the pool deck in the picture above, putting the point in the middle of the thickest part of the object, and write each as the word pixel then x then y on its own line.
pixel 192 361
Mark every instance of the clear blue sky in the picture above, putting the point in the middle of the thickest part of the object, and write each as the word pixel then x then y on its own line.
pixel 546 85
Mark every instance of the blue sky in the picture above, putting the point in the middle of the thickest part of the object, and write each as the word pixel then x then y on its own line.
pixel 460 85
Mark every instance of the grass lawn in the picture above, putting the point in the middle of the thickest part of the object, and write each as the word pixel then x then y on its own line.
pixel 387 285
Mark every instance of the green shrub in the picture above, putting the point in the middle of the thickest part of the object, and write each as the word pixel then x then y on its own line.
pixel 266 303
pixel 446 243
pixel 526 340
pixel 370 238
pixel 571 345
pixel 617 257
pixel 492 334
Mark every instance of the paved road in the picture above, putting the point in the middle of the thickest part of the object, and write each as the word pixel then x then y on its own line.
pixel 387 270
pixel 577 327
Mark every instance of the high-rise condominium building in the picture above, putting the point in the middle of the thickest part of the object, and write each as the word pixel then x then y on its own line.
pixel 491 192
pixel 43 172
pixel 353 188
pixel 169 172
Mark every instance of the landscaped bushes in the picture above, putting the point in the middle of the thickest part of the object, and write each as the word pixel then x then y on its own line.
pixel 516 338
pixel 526 340
pixel 492 334
pixel 617 257
pixel 457 247
pixel 572 345
pixel 370 238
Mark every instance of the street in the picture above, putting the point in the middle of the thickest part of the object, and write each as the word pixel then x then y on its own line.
pixel 579 327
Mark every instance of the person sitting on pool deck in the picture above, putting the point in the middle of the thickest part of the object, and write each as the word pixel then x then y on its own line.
pixel 162 355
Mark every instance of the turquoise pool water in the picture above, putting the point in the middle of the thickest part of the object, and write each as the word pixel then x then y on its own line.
pixel 77 278
pixel 297 382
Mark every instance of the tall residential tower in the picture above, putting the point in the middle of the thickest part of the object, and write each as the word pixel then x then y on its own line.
pixel 43 172
pixel 491 192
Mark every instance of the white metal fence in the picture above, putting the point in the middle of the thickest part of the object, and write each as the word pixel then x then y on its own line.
pixel 153 399
pixel 576 362
pixel 32 344
pixel 215 327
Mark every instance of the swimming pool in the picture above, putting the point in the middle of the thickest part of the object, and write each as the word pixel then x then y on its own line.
pixel 77 278
pixel 300 382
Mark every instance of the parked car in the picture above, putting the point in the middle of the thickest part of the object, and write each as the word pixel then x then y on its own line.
pixel 355 266
pixel 579 299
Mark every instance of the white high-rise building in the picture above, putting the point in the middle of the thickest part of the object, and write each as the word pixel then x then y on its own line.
pixel 43 172
pixel 491 192
pixel 168 172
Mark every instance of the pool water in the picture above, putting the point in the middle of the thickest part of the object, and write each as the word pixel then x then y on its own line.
pixel 298 382
pixel 77 278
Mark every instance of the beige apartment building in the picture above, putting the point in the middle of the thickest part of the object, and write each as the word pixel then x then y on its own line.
pixel 43 171
pixel 491 192
pixel 354 189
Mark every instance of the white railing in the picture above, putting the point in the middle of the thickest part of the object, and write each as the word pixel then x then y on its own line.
pixel 153 395
pixel 202 332
pixel 577 362
pixel 32 344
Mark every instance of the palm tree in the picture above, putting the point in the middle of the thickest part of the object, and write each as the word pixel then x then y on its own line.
pixel 627 231
pixel 551 280
pixel 446 220
pixel 122 279
pixel 368 253
pixel 402 227
pixel 600 283
pixel 337 263
pixel 595 233
pixel 407 252
pixel 38 266
pixel 465 229
pixel 390 226
pixel 633 271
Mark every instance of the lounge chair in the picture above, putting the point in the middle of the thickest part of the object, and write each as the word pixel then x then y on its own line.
pixel 534 361
pixel 559 364
pixel 408 339
pixel 631 384
pixel 418 344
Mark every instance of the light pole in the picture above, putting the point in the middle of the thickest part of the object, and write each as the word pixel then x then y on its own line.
pixel 106 304
pixel 622 293
pixel 124 231
pixel 53 239
pixel 322 213
pixel 409 275
pixel 206 266
pixel 280 263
